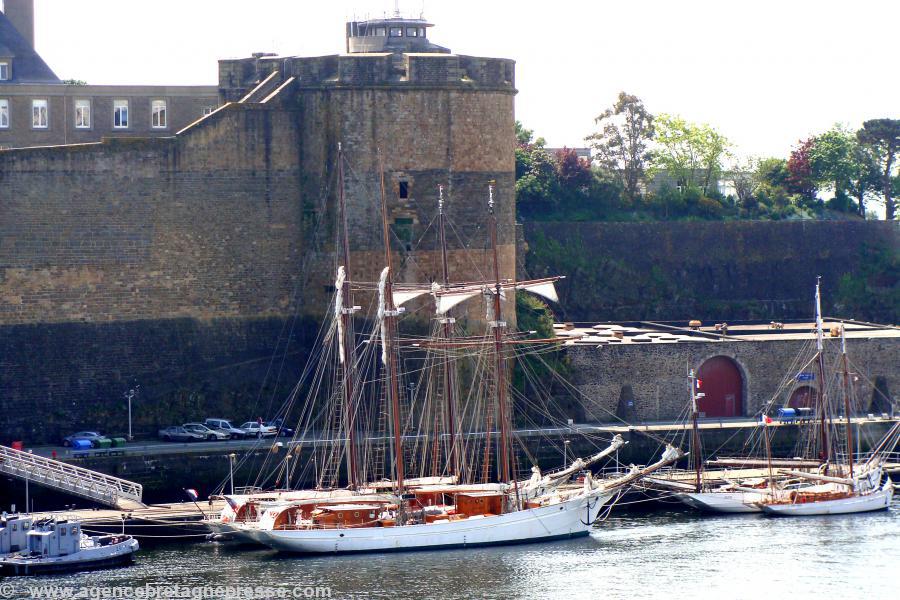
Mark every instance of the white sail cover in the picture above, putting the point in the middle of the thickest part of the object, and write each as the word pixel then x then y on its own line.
pixel 338 309
pixel 382 309
pixel 545 289
pixel 403 296
pixel 448 300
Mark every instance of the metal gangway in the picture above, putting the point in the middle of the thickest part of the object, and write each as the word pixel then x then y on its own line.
pixel 78 481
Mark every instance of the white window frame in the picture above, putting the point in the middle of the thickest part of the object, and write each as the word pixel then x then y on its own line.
pixel 208 110
pixel 159 114
pixel 117 106
pixel 5 65
pixel 40 119
pixel 4 113
pixel 80 121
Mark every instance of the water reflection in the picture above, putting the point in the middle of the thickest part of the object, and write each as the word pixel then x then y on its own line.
pixel 671 553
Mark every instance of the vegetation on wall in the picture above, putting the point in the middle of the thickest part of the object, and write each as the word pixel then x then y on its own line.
pixel 663 167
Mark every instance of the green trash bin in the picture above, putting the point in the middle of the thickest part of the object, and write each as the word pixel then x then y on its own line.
pixel 118 442
pixel 104 443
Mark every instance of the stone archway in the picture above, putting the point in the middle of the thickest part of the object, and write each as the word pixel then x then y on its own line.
pixel 803 397
pixel 723 386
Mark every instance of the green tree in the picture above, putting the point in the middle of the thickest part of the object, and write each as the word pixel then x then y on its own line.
pixel 882 138
pixel 536 180
pixel 691 153
pixel 622 142
pixel 744 176
pixel 838 160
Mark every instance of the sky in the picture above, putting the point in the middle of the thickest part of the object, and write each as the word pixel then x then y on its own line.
pixel 764 73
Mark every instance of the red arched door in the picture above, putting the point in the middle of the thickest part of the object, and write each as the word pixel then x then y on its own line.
pixel 803 397
pixel 723 385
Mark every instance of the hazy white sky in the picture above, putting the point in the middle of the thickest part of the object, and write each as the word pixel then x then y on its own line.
pixel 766 73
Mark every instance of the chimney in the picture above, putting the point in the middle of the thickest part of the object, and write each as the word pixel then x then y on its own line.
pixel 21 14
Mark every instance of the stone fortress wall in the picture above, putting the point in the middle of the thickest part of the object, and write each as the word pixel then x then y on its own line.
pixel 192 264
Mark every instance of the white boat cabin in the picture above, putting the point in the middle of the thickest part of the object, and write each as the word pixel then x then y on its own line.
pixel 54 538
pixel 13 533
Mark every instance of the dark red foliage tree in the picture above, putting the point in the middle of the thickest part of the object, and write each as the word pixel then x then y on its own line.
pixel 799 171
pixel 574 172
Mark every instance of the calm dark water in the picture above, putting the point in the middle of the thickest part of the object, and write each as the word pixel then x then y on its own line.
pixel 665 554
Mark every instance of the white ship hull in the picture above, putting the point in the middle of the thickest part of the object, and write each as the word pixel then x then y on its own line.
pixel 101 557
pixel 877 500
pixel 723 502
pixel 570 518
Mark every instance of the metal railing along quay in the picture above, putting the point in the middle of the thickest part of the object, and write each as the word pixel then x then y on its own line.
pixel 101 488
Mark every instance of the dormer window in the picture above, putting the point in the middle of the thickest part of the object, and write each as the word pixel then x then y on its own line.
pixel 396 32
pixel 4 70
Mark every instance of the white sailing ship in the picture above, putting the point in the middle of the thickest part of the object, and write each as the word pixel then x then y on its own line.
pixel 445 506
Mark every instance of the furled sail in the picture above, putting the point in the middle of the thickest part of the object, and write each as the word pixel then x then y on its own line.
pixel 338 310
pixel 382 310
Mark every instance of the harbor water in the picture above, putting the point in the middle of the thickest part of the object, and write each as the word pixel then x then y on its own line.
pixel 669 553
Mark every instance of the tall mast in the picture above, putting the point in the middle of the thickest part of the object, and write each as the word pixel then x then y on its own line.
pixel 497 324
pixel 389 324
pixel 825 453
pixel 847 422
pixel 348 344
pixel 698 458
pixel 453 459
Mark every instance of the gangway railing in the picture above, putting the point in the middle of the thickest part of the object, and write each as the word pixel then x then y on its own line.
pixel 78 481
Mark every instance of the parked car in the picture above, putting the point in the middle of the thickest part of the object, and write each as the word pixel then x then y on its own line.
pixel 210 435
pixel 177 433
pixel 225 425
pixel 91 436
pixel 254 429
pixel 280 429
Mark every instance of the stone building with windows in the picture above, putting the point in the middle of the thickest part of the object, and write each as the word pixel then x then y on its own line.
pixel 39 109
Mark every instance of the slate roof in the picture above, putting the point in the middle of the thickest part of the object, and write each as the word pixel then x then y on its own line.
pixel 28 66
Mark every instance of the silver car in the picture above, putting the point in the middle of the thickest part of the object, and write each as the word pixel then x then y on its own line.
pixel 177 433
pixel 226 426
pixel 254 429
pixel 210 435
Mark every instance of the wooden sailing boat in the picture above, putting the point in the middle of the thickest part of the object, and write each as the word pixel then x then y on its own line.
pixel 506 511
pixel 854 488
pixel 818 486
pixel 734 497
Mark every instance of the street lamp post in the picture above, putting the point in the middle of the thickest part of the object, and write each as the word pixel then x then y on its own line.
pixel 130 395
pixel 231 458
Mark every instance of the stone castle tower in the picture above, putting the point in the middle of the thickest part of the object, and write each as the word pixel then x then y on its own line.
pixel 427 117
pixel 174 262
